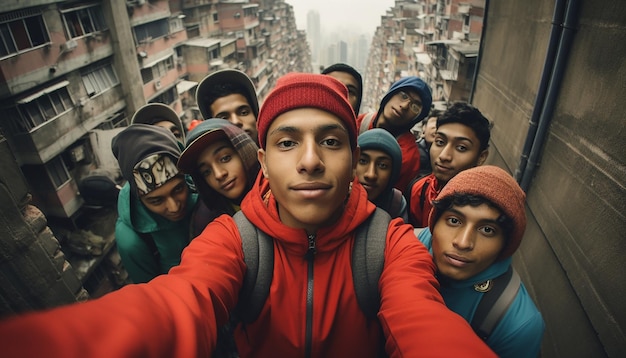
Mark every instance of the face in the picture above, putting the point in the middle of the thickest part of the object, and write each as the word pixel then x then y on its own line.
pixel 467 240
pixel 374 171
pixel 172 128
pixel 169 200
pixel 353 87
pixel 309 164
pixel 455 149
pixel 401 109
pixel 236 109
pixel 222 168
pixel 430 129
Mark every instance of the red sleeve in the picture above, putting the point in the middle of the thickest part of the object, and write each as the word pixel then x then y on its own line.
pixel 415 321
pixel 410 160
pixel 173 315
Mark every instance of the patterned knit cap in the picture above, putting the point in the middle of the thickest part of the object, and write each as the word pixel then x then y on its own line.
pixel 307 90
pixel 147 156
pixel 497 186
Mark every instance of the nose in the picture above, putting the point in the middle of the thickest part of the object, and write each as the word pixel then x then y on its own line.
pixel 370 173
pixel 234 119
pixel 464 239
pixel 219 172
pixel 446 153
pixel 310 160
pixel 173 205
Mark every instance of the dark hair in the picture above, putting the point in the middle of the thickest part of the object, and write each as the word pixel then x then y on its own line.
pixel 460 199
pixel 468 115
pixel 222 90
pixel 433 113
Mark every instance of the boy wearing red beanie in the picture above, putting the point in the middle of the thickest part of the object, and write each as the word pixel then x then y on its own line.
pixel 308 201
pixel 477 223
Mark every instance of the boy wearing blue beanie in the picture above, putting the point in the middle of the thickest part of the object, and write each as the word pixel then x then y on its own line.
pixel 378 170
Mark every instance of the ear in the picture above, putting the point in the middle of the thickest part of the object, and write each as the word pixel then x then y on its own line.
pixel 482 157
pixel 261 159
pixel 356 154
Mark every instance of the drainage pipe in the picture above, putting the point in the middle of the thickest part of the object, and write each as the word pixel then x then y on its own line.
pixel 565 44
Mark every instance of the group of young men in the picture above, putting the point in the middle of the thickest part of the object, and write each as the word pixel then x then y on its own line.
pixel 324 171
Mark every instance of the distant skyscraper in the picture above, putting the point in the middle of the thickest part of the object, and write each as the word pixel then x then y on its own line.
pixel 314 35
pixel 343 51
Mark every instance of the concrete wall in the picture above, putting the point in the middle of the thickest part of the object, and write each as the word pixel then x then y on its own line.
pixel 572 257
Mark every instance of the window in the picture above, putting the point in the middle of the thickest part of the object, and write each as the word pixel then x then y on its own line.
pixel 99 78
pixel 176 24
pixel 168 97
pixel 152 30
pixel 57 171
pixel 36 109
pixel 21 30
pixel 158 70
pixel 84 20
pixel 215 19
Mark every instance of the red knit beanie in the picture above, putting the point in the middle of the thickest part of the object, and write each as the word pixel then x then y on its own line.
pixel 306 90
pixel 497 186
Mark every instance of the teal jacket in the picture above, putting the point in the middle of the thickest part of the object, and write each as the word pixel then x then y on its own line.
pixel 134 221
pixel 520 331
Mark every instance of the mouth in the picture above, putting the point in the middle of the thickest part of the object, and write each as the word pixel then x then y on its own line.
pixel 367 187
pixel 442 168
pixel 229 184
pixel 178 215
pixel 311 190
pixel 457 260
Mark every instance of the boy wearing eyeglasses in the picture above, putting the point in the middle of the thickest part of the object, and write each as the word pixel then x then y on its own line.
pixel 406 103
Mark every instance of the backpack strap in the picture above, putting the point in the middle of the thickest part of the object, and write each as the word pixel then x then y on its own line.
pixel 258 253
pixel 423 197
pixel 365 123
pixel 147 238
pixel 396 203
pixel 495 302
pixel 368 259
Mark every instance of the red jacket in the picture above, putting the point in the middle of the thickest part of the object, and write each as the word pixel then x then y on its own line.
pixel 176 315
pixel 410 155
pixel 418 214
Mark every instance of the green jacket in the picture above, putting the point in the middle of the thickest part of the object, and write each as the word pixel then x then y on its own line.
pixel 136 221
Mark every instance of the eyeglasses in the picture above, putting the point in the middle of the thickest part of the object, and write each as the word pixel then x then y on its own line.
pixel 414 106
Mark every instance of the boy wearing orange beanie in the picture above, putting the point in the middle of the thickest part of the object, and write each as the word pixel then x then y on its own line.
pixel 308 201
pixel 477 223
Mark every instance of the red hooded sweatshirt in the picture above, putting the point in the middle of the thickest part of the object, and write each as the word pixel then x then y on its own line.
pixel 308 312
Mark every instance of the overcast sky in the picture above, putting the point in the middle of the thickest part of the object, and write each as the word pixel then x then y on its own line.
pixel 360 15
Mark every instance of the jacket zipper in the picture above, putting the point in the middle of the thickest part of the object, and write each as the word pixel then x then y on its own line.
pixel 309 297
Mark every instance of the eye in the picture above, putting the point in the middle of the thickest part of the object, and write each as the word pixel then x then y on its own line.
pixel 180 188
pixel 205 172
pixel 383 165
pixel 363 161
pixel 453 221
pixel 244 112
pixel 488 230
pixel 461 148
pixel 404 96
pixel 286 144
pixel 225 158
pixel 222 116
pixel 439 142
pixel 331 142
pixel 415 108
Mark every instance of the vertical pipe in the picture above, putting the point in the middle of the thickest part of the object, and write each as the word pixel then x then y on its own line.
pixel 565 44
pixel 553 42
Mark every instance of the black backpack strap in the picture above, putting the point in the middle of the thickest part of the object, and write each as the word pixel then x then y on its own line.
pixel 495 302
pixel 149 240
pixel 368 259
pixel 365 123
pixel 423 198
pixel 258 253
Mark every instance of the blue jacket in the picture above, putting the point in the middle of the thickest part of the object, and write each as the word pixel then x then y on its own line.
pixel 134 221
pixel 519 332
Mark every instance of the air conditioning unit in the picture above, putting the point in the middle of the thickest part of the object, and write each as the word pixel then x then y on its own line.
pixel 69 45
pixel 157 84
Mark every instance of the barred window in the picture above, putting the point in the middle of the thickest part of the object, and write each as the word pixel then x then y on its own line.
pixel 84 20
pixel 99 78
pixel 57 171
pixel 20 31
pixel 38 108
pixel 152 30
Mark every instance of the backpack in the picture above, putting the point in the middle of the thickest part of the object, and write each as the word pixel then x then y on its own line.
pixel 365 123
pixel 367 265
